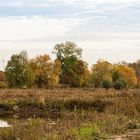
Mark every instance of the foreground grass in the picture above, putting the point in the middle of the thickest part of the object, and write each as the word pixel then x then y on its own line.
pixel 68 114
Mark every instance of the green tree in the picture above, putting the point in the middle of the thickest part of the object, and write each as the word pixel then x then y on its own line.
pixel 119 84
pixel 115 75
pixel 107 84
pixel 67 50
pixel 18 73
pixel 73 69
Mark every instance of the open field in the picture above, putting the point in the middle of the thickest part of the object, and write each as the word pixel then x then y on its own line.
pixel 69 114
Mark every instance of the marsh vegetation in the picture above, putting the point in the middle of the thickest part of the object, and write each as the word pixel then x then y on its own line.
pixel 68 114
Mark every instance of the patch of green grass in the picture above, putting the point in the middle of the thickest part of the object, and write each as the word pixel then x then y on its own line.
pixel 88 132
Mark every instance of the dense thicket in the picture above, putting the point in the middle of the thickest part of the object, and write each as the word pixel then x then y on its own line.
pixel 68 69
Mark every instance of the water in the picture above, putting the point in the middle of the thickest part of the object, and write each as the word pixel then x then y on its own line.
pixel 4 124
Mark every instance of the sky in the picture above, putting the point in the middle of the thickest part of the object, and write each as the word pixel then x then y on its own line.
pixel 104 29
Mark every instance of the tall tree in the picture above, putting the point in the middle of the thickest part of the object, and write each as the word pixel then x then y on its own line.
pixel 67 50
pixel 72 67
pixel 18 72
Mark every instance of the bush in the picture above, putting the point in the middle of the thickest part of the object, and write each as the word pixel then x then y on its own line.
pixel 120 84
pixel 132 124
pixel 3 85
pixel 107 84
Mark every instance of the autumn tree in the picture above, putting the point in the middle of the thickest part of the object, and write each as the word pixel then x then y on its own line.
pixel 2 76
pixel 136 67
pixel 18 72
pixel 101 74
pixel 82 73
pixel 46 72
pixel 74 71
pixel 127 74
pixel 3 83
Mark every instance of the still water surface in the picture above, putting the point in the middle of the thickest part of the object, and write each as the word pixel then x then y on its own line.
pixel 4 124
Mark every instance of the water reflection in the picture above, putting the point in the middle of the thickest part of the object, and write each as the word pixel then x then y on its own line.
pixel 4 124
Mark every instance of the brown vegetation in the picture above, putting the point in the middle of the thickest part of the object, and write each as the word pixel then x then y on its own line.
pixel 65 114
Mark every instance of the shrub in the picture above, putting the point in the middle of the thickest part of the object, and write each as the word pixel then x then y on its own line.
pixel 107 84
pixel 115 76
pixel 132 124
pixel 120 84
pixel 3 85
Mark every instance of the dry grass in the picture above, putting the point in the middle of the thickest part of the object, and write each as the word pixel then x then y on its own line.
pixel 69 114
pixel 64 94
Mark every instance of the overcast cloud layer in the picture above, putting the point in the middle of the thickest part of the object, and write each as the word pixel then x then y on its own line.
pixel 108 29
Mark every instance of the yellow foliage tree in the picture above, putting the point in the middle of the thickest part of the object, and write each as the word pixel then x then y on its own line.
pixel 127 74
pixel 46 72
pixel 101 71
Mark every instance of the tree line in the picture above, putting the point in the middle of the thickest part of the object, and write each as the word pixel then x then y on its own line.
pixel 68 70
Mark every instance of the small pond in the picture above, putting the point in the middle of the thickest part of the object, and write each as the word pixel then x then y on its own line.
pixel 4 124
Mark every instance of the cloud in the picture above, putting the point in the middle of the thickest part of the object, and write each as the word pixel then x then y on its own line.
pixel 42 3
pixel 24 4
pixel 34 28
pixel 76 20
pixel 93 2
pixel 65 9
pixel 16 4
